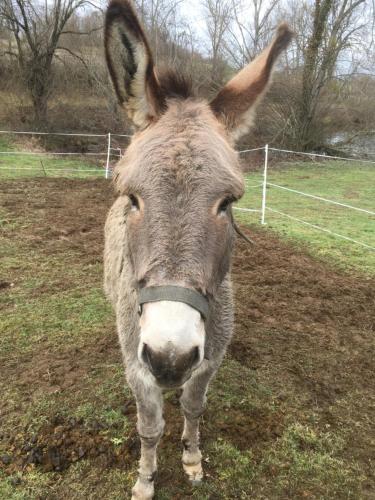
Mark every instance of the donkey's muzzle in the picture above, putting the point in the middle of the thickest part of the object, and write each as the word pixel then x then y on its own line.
pixel 169 368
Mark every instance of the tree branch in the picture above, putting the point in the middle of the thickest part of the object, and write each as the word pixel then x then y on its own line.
pixel 74 55
pixel 80 33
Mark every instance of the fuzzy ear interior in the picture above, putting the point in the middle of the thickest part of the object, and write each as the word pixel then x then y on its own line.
pixel 130 64
pixel 236 103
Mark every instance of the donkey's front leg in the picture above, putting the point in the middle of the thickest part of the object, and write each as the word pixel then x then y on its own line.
pixel 150 427
pixel 193 401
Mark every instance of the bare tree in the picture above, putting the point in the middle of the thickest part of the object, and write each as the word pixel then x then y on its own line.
pixel 36 28
pixel 218 19
pixel 335 26
pixel 162 20
pixel 174 41
pixel 251 30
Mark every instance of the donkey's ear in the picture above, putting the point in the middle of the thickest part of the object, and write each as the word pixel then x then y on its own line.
pixel 236 103
pixel 130 64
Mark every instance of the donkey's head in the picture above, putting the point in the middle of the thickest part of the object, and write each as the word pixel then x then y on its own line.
pixel 181 176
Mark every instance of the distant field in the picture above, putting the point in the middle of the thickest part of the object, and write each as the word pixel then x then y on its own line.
pixel 347 182
pixel 33 164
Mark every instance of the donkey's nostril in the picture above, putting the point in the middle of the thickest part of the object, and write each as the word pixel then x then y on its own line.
pixel 195 357
pixel 146 355
pixel 156 361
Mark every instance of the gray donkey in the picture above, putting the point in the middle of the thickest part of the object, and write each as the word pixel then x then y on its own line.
pixel 170 233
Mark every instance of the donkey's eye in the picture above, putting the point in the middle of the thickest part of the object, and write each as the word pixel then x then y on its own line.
pixel 134 203
pixel 224 205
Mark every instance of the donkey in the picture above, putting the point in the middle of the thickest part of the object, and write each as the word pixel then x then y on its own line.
pixel 170 233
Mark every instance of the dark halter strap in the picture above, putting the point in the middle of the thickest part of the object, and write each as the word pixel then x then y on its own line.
pixel 175 294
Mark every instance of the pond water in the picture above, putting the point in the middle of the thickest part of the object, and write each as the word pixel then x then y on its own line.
pixel 355 144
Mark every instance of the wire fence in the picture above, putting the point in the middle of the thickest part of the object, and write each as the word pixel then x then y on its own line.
pixel 102 161
pixel 40 161
pixel 266 186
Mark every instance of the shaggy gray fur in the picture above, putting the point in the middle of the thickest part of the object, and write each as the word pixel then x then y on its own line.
pixel 172 222
pixel 193 247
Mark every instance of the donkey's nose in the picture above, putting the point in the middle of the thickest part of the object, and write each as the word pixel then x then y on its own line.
pixel 168 368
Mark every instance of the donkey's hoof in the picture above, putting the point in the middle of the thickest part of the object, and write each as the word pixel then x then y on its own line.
pixel 143 490
pixel 194 473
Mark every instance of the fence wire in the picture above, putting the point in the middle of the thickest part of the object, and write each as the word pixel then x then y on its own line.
pixel 321 228
pixel 266 185
pixel 320 198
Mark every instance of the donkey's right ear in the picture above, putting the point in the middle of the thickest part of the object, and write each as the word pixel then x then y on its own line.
pixel 235 104
pixel 130 64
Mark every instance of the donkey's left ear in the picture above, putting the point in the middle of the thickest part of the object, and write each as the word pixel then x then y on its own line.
pixel 236 103
pixel 130 64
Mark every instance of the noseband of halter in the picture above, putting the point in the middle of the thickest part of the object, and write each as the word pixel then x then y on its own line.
pixel 176 294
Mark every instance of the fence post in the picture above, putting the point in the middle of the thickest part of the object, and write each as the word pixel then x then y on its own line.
pixel 264 194
pixel 108 155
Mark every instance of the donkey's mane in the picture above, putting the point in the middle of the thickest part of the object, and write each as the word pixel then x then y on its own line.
pixel 175 85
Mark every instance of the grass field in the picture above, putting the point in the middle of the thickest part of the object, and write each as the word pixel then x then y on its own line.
pixel 290 414
pixel 351 183
pixel 36 165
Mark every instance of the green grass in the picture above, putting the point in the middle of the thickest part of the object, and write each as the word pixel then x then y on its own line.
pixel 15 164
pixel 345 182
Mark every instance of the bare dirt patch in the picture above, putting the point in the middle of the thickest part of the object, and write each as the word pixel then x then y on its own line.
pixel 65 215
pixel 309 329
pixel 291 308
pixel 65 441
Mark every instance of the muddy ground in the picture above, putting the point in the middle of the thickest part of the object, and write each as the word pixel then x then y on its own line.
pixel 303 329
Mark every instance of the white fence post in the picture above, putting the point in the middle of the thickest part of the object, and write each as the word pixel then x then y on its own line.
pixel 264 194
pixel 108 155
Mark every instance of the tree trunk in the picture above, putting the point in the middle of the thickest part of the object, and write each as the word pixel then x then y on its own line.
pixel 39 84
pixel 310 77
pixel 40 104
